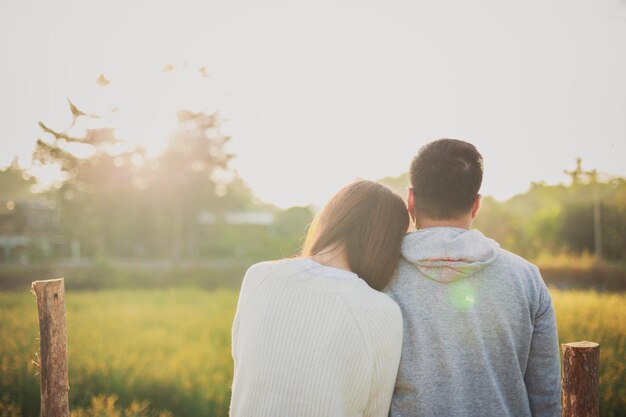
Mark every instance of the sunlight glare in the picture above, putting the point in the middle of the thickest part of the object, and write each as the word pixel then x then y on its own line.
pixel 462 295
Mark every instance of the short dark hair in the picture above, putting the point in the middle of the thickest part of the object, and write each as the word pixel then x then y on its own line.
pixel 369 221
pixel 446 175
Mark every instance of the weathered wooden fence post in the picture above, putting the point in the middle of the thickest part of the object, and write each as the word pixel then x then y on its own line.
pixel 581 379
pixel 55 386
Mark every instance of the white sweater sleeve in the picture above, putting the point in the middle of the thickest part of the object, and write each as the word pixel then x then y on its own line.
pixel 254 277
pixel 386 348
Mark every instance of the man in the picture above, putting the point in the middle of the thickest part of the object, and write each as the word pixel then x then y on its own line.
pixel 480 335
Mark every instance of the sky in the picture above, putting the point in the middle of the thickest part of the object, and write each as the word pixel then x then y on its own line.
pixel 316 94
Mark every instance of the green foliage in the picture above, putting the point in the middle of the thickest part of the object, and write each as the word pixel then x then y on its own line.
pixel 291 226
pixel 8 408
pixel 15 191
pixel 557 219
pixel 121 204
pixel 143 275
pixel 97 200
pixel 563 271
pixel 281 239
pixel 182 181
pixel 576 228
pixel 105 406
pixel 553 219
pixel 399 184
pixel 15 184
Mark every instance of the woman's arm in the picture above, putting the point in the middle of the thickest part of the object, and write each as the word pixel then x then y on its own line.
pixel 387 344
pixel 252 280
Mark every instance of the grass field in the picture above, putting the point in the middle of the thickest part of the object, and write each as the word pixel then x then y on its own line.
pixel 136 353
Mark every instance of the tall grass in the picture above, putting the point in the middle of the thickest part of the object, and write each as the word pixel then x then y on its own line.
pixel 601 318
pixel 151 353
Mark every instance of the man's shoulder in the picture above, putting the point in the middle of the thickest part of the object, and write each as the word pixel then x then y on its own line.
pixel 403 282
pixel 407 274
pixel 527 272
pixel 403 273
pixel 512 260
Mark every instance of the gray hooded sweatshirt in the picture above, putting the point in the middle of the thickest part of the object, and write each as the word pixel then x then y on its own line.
pixel 480 334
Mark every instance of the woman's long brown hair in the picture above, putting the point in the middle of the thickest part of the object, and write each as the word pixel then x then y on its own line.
pixel 368 221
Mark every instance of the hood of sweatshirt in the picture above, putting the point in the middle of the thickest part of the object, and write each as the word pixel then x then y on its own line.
pixel 448 254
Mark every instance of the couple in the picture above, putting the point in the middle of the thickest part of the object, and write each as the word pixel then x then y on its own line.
pixel 371 321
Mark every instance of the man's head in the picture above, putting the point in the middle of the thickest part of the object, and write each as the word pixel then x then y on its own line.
pixel 445 175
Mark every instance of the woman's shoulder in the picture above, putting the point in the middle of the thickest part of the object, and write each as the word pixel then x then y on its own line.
pixel 375 306
pixel 255 276
pixel 259 268
pixel 262 271
pixel 274 267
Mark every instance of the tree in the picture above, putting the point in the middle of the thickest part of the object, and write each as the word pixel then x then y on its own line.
pixel 97 182
pixel 112 205
pixel 190 176
pixel 15 183
pixel 551 219
pixel 292 225
pixel 14 186
pixel 398 185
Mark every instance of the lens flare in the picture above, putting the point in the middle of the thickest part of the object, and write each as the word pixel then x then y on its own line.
pixel 462 295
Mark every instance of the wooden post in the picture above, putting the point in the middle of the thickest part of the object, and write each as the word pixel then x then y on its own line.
pixel 53 347
pixel 581 375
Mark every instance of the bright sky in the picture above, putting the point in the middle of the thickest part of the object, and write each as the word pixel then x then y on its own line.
pixel 319 93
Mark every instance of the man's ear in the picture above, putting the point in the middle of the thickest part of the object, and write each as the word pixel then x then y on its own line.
pixel 476 206
pixel 410 203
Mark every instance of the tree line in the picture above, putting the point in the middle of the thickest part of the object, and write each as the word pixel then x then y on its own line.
pixel 113 201
pixel 586 217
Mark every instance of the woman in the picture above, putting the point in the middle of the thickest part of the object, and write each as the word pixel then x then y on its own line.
pixel 313 336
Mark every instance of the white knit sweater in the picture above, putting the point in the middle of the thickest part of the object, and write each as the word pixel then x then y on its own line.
pixel 313 341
